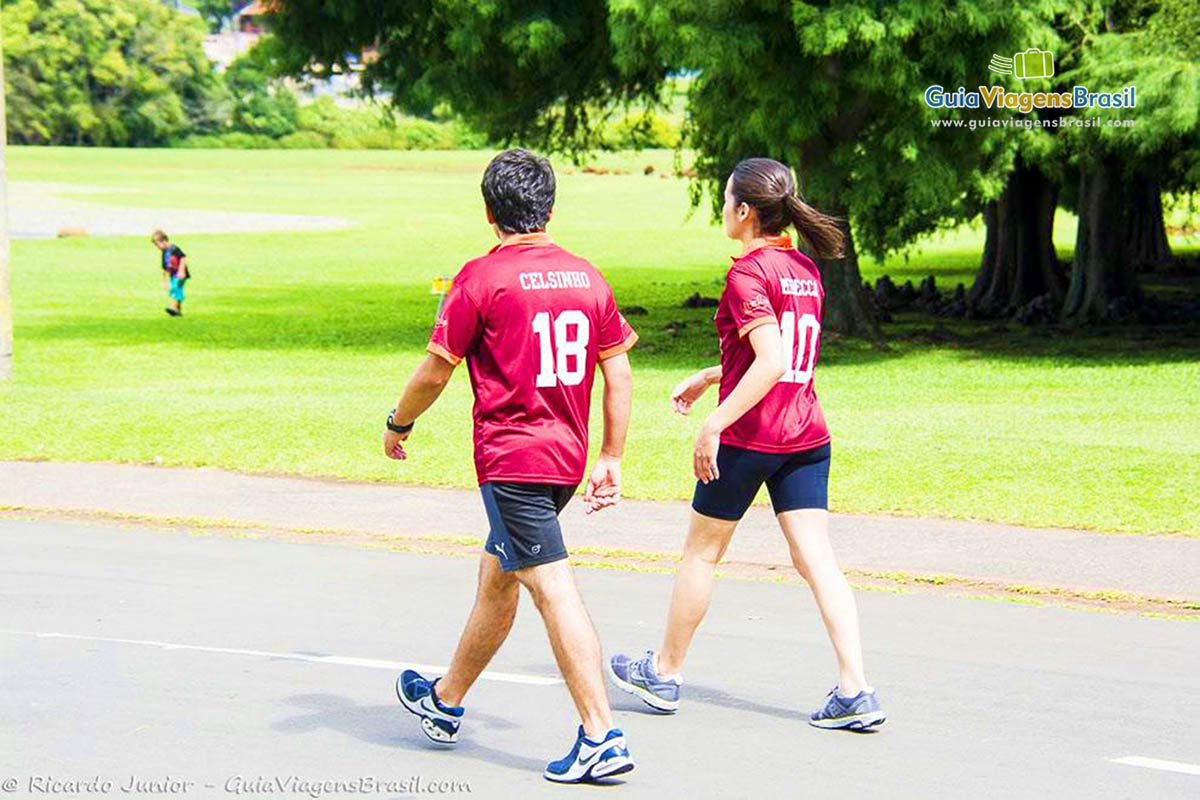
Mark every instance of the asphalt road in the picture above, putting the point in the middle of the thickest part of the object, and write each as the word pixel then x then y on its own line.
pixel 283 658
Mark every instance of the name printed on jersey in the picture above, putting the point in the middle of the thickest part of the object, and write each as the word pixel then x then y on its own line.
pixel 555 280
pixel 798 287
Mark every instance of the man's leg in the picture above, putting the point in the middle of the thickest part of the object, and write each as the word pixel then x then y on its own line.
pixel 573 639
pixel 488 626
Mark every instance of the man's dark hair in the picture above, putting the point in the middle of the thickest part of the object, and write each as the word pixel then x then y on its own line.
pixel 518 187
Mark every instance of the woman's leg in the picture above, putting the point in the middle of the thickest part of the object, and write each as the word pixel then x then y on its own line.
pixel 807 534
pixel 707 540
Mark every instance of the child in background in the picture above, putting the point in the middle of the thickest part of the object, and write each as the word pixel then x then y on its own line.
pixel 174 271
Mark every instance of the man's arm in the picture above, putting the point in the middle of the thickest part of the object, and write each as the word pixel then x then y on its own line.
pixel 181 270
pixel 604 485
pixel 422 390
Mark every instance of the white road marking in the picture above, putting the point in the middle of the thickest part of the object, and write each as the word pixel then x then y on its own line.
pixel 346 661
pixel 1158 763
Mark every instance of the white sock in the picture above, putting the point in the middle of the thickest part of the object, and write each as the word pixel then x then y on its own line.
pixel 677 677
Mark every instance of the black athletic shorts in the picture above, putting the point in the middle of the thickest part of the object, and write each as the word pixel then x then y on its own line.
pixel 524 521
pixel 794 480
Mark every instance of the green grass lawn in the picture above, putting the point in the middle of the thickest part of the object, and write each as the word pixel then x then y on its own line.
pixel 296 344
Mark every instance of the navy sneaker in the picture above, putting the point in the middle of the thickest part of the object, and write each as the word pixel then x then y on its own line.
pixel 590 761
pixel 439 722
pixel 640 680
pixel 856 713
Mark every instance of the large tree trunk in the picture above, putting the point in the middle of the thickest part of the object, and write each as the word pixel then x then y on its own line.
pixel 1018 261
pixel 1148 246
pixel 1104 285
pixel 846 310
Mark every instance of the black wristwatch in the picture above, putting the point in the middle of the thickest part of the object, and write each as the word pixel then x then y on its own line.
pixel 394 428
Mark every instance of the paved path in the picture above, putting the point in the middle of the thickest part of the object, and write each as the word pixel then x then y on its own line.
pixel 1153 565
pixel 43 209
pixel 155 654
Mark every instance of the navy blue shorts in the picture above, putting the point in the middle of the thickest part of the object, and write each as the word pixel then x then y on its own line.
pixel 524 522
pixel 794 480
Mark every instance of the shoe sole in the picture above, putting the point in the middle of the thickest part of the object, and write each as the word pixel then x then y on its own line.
pixel 607 769
pixel 857 722
pixel 649 698
pixel 431 731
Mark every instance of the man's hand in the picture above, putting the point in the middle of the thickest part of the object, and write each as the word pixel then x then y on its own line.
pixel 704 457
pixel 392 447
pixel 688 392
pixel 604 485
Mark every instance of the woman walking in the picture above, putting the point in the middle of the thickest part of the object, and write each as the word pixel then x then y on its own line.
pixel 768 428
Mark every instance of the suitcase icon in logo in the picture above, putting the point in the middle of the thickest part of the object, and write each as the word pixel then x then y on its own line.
pixel 1033 63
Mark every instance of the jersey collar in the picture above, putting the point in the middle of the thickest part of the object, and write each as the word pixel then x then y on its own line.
pixel 535 239
pixel 768 243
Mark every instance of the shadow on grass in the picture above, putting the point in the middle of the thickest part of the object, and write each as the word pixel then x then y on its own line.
pixel 386 318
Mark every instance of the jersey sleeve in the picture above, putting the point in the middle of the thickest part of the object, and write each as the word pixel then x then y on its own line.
pixel 616 335
pixel 458 327
pixel 749 302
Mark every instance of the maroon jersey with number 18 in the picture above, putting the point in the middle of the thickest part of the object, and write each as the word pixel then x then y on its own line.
pixel 532 321
pixel 774 285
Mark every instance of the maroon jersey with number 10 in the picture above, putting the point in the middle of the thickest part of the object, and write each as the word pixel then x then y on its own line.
pixel 532 321
pixel 774 285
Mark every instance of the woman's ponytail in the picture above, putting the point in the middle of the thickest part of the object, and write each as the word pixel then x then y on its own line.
pixel 769 187
pixel 822 232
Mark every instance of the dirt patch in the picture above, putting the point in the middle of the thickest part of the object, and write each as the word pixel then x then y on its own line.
pixel 38 210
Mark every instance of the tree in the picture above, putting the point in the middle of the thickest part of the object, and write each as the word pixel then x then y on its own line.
pixel 1123 169
pixel 102 72
pixel 1019 264
pixel 261 103
pixel 830 87
pixel 216 12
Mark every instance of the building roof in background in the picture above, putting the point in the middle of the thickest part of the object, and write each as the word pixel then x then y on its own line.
pixel 258 8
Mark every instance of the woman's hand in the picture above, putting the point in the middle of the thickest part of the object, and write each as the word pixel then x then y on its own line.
pixel 704 457
pixel 688 391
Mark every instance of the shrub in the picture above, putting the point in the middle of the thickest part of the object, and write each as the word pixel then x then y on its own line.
pixel 641 132
pixel 303 140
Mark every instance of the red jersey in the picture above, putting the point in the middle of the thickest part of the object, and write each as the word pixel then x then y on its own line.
pixel 532 320
pixel 774 285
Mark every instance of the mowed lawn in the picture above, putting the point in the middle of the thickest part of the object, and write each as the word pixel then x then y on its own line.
pixel 295 345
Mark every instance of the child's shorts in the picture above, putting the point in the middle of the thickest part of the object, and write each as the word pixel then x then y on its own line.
pixel 176 290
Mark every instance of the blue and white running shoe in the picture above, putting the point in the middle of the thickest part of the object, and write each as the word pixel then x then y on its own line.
pixel 856 713
pixel 439 722
pixel 590 761
pixel 640 680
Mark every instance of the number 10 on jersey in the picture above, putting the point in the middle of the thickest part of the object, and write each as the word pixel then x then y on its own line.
pixel 556 356
pixel 800 364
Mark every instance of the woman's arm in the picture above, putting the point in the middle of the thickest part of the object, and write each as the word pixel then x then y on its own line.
pixel 763 374
pixel 690 389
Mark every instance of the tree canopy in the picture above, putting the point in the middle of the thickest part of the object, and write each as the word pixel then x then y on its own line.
pixel 103 72
pixel 832 88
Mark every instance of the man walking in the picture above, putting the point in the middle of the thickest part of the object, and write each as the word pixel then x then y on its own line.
pixel 533 322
